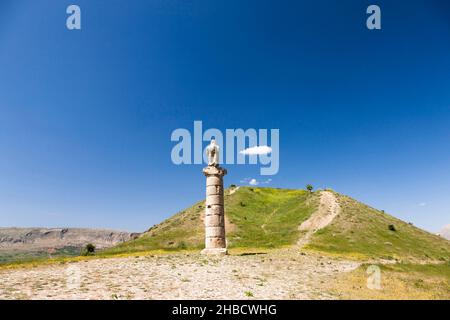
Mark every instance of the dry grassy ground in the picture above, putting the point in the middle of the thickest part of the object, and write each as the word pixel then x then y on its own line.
pixel 398 281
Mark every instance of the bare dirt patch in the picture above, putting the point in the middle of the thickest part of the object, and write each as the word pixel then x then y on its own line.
pixel 328 209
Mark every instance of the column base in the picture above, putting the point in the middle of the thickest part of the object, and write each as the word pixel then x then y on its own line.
pixel 215 251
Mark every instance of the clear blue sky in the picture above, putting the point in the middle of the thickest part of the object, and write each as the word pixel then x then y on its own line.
pixel 86 116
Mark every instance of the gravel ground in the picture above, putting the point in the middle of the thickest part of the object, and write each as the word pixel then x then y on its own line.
pixel 281 274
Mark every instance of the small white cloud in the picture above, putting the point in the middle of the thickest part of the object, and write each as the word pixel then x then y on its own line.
pixel 422 204
pixel 256 150
pixel 255 182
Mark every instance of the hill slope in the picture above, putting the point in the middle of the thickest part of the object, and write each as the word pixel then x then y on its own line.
pixel 255 217
pixel 362 231
pixel 270 218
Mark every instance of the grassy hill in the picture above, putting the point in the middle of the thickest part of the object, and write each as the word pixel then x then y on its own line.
pixel 269 218
pixel 255 218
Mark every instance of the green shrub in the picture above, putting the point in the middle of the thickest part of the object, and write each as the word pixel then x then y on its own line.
pixel 88 250
pixel 182 245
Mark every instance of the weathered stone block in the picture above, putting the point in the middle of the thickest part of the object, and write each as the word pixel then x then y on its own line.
pixel 215 220
pixel 214 170
pixel 213 232
pixel 214 181
pixel 214 190
pixel 214 200
pixel 215 251
pixel 215 243
pixel 214 209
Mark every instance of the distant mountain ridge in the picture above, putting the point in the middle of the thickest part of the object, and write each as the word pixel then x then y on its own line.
pixel 20 239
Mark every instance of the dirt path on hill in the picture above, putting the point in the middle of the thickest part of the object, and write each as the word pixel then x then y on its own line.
pixel 281 274
pixel 328 209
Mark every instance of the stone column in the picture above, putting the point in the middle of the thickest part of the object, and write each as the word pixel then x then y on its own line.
pixel 215 242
